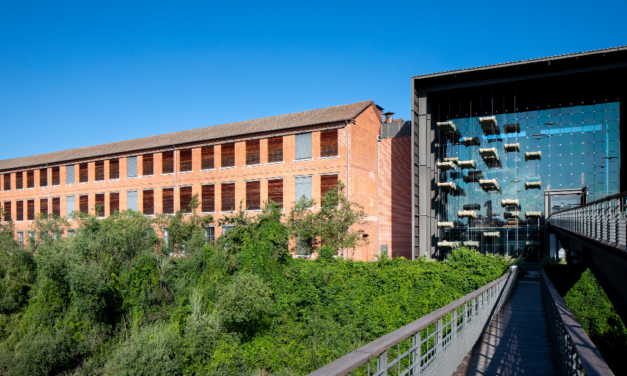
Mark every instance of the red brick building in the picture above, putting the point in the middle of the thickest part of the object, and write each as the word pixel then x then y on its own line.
pixel 280 157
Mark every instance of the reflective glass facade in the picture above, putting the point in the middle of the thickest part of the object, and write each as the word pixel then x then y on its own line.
pixel 579 146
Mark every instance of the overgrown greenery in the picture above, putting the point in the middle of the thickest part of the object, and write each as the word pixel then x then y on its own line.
pixel 111 301
pixel 593 310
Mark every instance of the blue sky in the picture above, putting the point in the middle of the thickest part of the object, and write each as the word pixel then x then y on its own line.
pixel 75 74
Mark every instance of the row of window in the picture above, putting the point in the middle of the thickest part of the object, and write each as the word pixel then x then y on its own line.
pixel 328 148
pixel 25 209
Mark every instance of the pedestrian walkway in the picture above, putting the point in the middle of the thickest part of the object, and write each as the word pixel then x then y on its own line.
pixel 517 341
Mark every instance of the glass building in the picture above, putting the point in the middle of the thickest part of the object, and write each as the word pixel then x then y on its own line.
pixel 497 149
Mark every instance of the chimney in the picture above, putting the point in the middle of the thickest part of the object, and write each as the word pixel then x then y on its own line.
pixel 388 116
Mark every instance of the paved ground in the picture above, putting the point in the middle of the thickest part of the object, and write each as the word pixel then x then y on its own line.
pixel 517 341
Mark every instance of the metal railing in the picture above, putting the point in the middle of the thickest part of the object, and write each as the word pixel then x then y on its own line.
pixel 434 344
pixel 575 352
pixel 602 220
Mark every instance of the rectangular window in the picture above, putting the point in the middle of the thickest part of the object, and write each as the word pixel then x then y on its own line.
pixel 185 195
pixel 228 197
pixel 55 173
pixel 99 171
pixel 7 211
pixel 43 177
pixel 69 175
pixel 114 202
pixel 275 191
pixel 167 162
pixel 30 179
pixel 7 182
pixel 327 182
pixel 100 205
pixel 303 187
pixel 71 233
pixel 83 204
pixel 69 206
pixel 252 152
pixel 131 200
pixel 19 208
pixel 210 233
pixel 328 143
pixel 83 173
pixel 207 157
pixel 131 167
pixel 19 180
pixel 303 146
pixel 56 206
pixel 148 165
pixel 253 195
pixel 43 205
pixel 114 169
pixel 168 200
pixel 185 162
pixel 275 150
pixel 208 198
pixel 30 210
pixel 227 153
pixel 148 202
pixel 20 239
pixel 226 229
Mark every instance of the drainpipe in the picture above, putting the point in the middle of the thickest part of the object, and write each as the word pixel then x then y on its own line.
pixel 347 179
pixel 176 182
pixel 378 217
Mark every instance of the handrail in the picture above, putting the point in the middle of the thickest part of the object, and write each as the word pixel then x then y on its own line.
pixel 447 332
pixel 575 352
pixel 608 198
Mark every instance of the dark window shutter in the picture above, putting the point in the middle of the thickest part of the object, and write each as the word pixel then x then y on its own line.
pixel 253 195
pixel 328 143
pixel 43 177
pixel 43 205
pixel 131 167
pixel 185 162
pixel 83 204
pixel 185 194
pixel 7 182
pixel 303 146
pixel 114 202
pixel 228 197
pixel 168 200
pixel 207 158
pixel 275 191
pixel 56 206
pixel 56 175
pixel 69 175
pixel 7 211
pixel 252 152
pixel 275 149
pixel 167 166
pixel 100 205
pixel 327 182
pixel 148 202
pixel 83 173
pixel 30 210
pixel 227 152
pixel 19 208
pixel 19 180
pixel 30 179
pixel 148 165
pixel 208 198
pixel 114 169
pixel 99 171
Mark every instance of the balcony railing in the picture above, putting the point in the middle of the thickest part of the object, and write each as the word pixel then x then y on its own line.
pixel 434 344
pixel 575 352
pixel 602 220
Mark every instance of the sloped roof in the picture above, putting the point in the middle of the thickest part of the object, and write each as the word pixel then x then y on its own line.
pixel 268 124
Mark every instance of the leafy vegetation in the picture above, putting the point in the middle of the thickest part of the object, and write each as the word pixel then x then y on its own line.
pixel 593 310
pixel 111 301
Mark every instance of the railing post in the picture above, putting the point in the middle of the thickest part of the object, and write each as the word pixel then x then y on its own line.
pixel 382 363
pixel 440 328
pixel 415 360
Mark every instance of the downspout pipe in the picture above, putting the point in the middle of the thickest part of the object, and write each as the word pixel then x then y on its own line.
pixel 378 215
pixel 347 171
pixel 176 181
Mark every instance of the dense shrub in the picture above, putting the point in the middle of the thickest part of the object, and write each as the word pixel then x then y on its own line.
pixel 586 299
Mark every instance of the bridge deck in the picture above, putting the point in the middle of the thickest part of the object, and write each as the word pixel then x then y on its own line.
pixel 517 341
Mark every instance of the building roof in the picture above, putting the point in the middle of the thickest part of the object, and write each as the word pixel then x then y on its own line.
pixel 268 124
pixel 522 62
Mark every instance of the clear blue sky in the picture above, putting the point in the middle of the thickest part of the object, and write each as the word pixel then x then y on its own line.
pixel 75 74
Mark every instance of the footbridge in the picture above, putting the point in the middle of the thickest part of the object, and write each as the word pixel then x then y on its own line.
pixel 510 326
